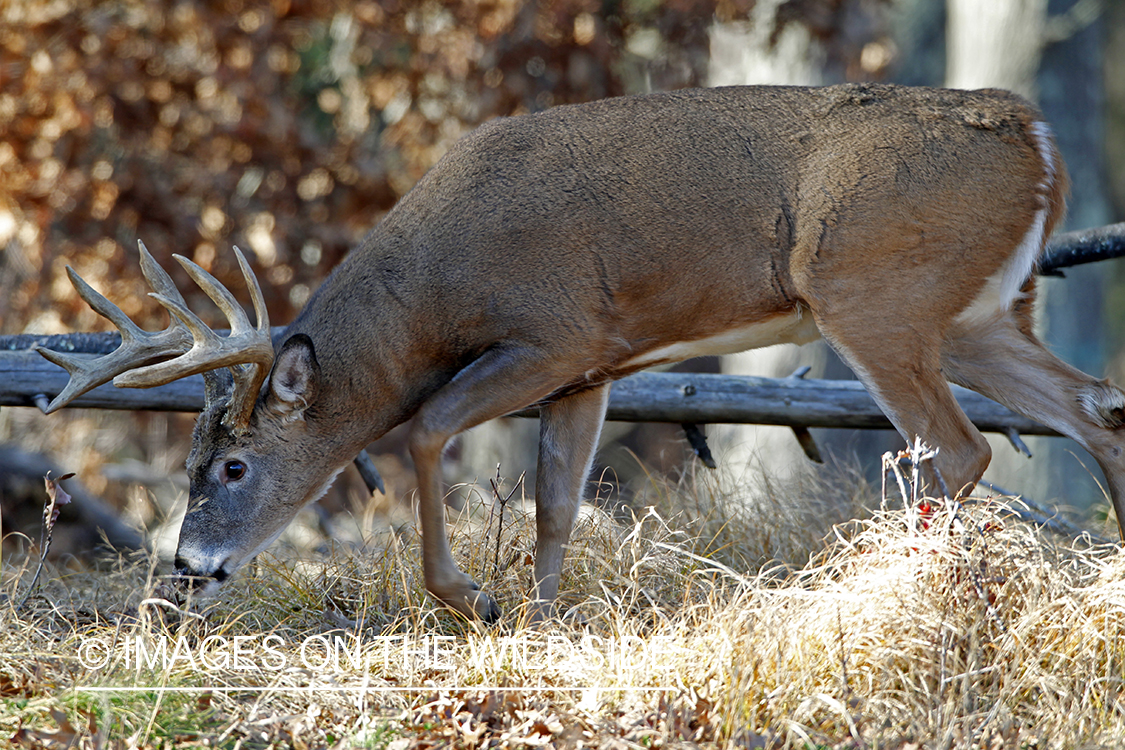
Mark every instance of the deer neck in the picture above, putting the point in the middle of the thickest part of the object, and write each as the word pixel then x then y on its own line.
pixel 370 341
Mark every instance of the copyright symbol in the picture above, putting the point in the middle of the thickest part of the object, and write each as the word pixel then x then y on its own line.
pixel 93 653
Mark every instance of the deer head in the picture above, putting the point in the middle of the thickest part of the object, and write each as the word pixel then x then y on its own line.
pixel 244 437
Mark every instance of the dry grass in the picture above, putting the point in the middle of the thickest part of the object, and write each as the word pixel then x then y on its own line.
pixel 709 620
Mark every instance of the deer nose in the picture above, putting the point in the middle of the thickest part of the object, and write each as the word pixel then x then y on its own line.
pixel 198 578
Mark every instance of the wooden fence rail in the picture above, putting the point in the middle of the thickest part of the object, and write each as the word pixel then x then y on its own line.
pixel 26 378
pixel 644 397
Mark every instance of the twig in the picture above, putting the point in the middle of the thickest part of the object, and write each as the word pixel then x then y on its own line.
pixel 503 500
pixel 1065 25
pixel 56 498
pixel 369 473
pixel 1036 514
pixel 892 463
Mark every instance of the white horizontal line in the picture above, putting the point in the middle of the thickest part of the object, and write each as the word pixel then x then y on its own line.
pixel 367 689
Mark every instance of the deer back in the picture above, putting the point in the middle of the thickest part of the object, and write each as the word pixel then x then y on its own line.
pixel 610 231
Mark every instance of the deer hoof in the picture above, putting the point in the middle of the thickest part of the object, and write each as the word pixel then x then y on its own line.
pixel 490 612
pixel 474 604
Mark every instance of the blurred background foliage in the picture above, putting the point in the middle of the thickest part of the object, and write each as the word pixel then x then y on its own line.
pixel 289 127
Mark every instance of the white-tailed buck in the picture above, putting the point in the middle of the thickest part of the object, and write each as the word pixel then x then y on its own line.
pixel 547 255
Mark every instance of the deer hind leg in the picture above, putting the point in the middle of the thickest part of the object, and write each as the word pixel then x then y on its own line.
pixel 997 356
pixel 502 380
pixel 900 365
pixel 568 438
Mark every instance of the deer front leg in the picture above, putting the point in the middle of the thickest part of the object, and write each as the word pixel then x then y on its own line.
pixel 502 380
pixel 443 578
pixel 568 438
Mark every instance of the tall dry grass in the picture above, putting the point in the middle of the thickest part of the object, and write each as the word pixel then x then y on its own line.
pixel 708 619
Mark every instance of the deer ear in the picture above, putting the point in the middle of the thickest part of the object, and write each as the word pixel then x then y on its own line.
pixel 294 379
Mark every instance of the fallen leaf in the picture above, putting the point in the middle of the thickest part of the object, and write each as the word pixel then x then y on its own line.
pixel 57 497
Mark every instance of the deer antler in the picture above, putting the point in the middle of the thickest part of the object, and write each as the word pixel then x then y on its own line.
pixel 138 346
pixel 247 351
pixel 186 347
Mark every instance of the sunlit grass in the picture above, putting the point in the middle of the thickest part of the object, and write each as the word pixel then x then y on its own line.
pixel 708 617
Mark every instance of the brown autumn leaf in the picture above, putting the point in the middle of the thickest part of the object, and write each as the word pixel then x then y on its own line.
pixel 67 736
pixel 15 687
pixel 56 498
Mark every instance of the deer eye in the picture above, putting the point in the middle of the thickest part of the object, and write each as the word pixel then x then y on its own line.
pixel 233 471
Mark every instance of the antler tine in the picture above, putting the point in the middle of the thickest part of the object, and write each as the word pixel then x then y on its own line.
pixel 104 307
pixel 201 337
pixel 138 346
pixel 209 351
pixel 157 277
pixel 248 381
pixel 82 377
pixel 221 296
pixel 260 312
pixel 246 345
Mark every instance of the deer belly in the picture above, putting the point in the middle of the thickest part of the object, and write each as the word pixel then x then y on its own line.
pixel 797 327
